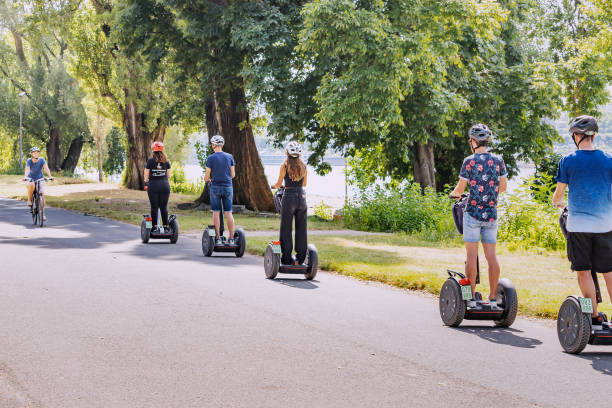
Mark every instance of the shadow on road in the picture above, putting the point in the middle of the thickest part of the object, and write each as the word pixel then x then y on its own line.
pixel 601 362
pixel 505 336
pixel 297 283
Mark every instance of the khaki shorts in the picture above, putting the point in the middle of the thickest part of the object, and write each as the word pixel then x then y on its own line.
pixel 41 185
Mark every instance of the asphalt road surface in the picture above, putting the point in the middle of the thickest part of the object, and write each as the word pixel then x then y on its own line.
pixel 91 317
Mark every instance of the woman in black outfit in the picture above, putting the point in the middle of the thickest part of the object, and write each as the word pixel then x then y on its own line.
pixel 156 176
pixel 294 174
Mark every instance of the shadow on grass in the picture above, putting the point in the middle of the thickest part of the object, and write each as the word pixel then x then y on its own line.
pixel 504 336
pixel 601 362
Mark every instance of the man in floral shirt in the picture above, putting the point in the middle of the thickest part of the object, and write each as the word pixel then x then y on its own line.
pixel 487 178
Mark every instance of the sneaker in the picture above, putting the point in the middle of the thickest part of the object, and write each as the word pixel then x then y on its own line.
pixel 218 242
pixel 231 241
pixel 477 296
pixel 597 321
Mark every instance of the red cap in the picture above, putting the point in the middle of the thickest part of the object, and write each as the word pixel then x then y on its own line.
pixel 157 146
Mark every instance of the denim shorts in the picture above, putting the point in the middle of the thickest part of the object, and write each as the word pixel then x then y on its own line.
pixel 221 195
pixel 474 229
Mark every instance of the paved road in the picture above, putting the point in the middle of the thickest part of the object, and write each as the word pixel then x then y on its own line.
pixel 90 317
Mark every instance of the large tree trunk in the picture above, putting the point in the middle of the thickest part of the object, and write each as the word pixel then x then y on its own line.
pixel 54 157
pixel 423 167
pixel 72 157
pixel 224 117
pixel 139 145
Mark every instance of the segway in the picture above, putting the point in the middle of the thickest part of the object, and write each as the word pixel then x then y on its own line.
pixel 574 325
pixel 147 231
pixel 456 300
pixel 209 245
pixel 272 256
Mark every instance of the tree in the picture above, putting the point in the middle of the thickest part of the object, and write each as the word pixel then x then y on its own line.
pixel 121 82
pixel 115 152
pixel 32 59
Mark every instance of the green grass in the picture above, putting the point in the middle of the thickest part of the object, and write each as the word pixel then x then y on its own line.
pixel 542 280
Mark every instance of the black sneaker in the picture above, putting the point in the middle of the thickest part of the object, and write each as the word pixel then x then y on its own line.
pixel 597 321
pixel 477 296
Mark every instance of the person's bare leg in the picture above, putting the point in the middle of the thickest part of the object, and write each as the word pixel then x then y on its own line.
pixel 229 218
pixel 42 196
pixel 608 279
pixel 587 287
pixel 494 269
pixel 30 192
pixel 217 222
pixel 471 249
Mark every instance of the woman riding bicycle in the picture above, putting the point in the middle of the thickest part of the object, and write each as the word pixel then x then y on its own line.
pixel 156 176
pixel 34 172
pixel 294 174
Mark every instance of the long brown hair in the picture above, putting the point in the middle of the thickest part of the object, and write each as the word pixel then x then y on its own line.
pixel 160 157
pixel 296 169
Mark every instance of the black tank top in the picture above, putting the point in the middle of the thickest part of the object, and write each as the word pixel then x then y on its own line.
pixel 292 184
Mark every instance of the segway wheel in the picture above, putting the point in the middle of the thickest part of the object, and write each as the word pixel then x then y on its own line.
pixel 175 231
pixel 573 326
pixel 240 239
pixel 507 293
pixel 271 263
pixel 208 243
pixel 145 233
pixel 313 262
pixel 452 305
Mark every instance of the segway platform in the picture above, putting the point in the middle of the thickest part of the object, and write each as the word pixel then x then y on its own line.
pixel 209 245
pixel 147 232
pixel 273 266
pixel 457 302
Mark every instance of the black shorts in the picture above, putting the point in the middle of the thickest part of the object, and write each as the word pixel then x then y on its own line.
pixel 590 251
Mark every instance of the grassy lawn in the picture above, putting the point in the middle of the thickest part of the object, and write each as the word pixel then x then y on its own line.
pixel 542 281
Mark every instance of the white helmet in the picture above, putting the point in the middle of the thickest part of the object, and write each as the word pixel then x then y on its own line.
pixel 217 140
pixel 293 149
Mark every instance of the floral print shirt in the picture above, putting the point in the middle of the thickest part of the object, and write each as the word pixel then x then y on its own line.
pixel 482 172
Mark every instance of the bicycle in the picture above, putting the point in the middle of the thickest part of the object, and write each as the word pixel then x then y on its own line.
pixel 38 209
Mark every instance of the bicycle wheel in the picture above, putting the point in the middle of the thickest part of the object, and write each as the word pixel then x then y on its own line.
pixel 35 208
pixel 41 211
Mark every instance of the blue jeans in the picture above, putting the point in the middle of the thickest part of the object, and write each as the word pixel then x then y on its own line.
pixel 474 229
pixel 221 195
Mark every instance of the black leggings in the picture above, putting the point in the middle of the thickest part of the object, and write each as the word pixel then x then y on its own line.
pixel 293 206
pixel 159 200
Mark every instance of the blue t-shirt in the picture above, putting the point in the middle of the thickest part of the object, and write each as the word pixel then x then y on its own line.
pixel 36 168
pixel 588 174
pixel 482 172
pixel 220 164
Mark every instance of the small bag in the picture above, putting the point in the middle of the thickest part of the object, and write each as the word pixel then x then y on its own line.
pixel 563 221
pixel 458 211
pixel 278 199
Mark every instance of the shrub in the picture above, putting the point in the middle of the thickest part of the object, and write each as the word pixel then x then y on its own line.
pixel 179 183
pixel 405 209
pixel 526 222
pixel 324 211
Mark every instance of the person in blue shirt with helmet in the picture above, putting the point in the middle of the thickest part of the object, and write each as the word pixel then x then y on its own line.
pixel 587 172
pixel 220 170
pixel 33 172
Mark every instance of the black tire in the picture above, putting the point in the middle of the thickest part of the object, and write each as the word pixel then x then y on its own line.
pixel 41 211
pixel 175 231
pixel 573 326
pixel 313 262
pixel 145 233
pixel 271 263
pixel 240 239
pixel 507 293
pixel 35 209
pixel 452 305
pixel 208 244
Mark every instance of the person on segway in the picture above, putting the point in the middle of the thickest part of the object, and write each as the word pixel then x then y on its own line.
pixel 156 177
pixel 293 173
pixel 34 172
pixel 588 174
pixel 220 170
pixel 486 175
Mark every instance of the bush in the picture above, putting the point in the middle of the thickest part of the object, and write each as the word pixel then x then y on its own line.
pixel 324 211
pixel 405 209
pixel 179 183
pixel 526 222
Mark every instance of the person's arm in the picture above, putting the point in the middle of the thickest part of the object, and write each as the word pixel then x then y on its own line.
pixel 281 176
pixel 146 175
pixel 207 175
pixel 503 184
pixel 27 171
pixel 305 178
pixel 558 195
pixel 233 171
pixel 460 188
pixel 169 172
pixel 47 170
